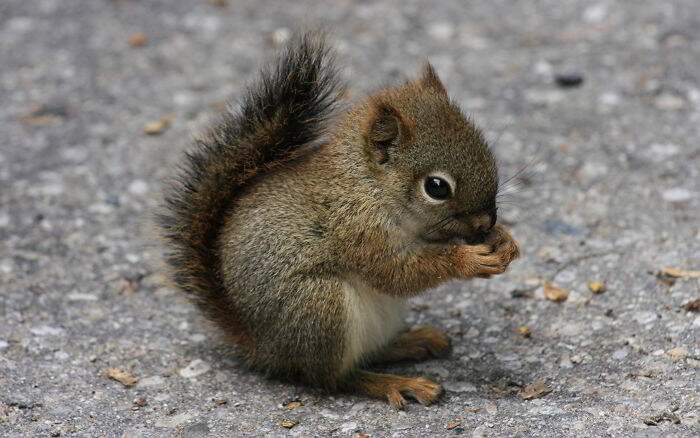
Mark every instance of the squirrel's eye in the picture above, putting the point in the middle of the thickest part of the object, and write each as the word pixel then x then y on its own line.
pixel 437 188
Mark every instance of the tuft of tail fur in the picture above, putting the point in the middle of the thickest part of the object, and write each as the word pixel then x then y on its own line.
pixel 285 110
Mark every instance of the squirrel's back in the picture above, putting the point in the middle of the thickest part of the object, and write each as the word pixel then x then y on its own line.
pixel 284 111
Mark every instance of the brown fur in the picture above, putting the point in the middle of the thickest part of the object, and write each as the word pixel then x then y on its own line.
pixel 417 344
pixel 274 234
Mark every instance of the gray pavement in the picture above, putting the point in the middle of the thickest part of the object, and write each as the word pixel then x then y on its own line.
pixel 611 194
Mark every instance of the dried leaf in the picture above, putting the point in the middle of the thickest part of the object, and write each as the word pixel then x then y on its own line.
pixel 294 404
pixel 535 390
pixel 46 114
pixel 472 410
pixel 288 424
pixel 360 435
pixel 554 293
pixel 138 39
pixel 524 331
pixel 596 287
pixel 693 305
pixel 679 273
pixel 654 420
pixel 678 353
pixel 121 376
pixel 157 127
pixel 452 424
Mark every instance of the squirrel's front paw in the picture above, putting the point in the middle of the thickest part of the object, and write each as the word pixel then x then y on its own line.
pixel 503 243
pixel 490 258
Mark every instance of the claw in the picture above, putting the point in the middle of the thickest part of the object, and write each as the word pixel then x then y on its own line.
pixel 393 388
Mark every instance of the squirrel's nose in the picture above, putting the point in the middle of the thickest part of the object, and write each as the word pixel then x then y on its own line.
pixel 482 223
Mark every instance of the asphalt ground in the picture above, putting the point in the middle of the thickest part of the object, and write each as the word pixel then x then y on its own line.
pixel 599 101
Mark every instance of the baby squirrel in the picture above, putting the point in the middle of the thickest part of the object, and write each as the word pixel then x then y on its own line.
pixel 302 234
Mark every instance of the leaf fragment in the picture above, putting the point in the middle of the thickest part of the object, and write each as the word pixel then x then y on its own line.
pixel 294 404
pixel 678 273
pixel 554 293
pixel 287 423
pixel 535 390
pixel 524 331
pixel 138 39
pixel 125 378
pixel 693 305
pixel 157 127
pixel 453 424
pixel 596 287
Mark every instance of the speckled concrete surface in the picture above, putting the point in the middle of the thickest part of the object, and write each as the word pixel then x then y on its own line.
pixel 611 194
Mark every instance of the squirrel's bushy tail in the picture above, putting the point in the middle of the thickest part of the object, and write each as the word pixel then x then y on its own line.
pixel 283 111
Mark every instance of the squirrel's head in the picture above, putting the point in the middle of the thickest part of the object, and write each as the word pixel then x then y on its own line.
pixel 431 160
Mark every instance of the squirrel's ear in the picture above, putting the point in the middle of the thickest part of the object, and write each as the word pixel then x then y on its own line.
pixel 385 129
pixel 430 79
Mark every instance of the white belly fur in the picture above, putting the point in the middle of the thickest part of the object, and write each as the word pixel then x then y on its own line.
pixel 373 320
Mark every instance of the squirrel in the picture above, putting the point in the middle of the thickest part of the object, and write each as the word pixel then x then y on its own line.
pixel 302 232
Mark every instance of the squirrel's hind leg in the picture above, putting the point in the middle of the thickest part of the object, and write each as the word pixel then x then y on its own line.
pixel 419 343
pixel 393 388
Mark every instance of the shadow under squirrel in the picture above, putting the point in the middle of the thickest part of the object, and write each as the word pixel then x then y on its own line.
pixel 301 233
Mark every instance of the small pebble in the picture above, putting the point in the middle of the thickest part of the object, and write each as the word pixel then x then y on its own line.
pixel 595 13
pixel 568 80
pixel 565 362
pixel 677 194
pixel 669 102
pixel 139 39
pixel 690 306
pixel 219 401
pixel 4 220
pixel 196 368
pixel 46 330
pixel 348 427
pixel 662 151
pixel 441 31
pixel 455 386
pixel 140 402
pixel 281 36
pixel 620 354
pixel 521 293
pixel 138 187
pixel 491 407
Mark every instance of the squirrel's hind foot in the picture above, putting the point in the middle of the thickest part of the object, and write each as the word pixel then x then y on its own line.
pixel 417 344
pixel 393 388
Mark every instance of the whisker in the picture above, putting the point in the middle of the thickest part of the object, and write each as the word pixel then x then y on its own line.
pixel 520 171
pixel 438 225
